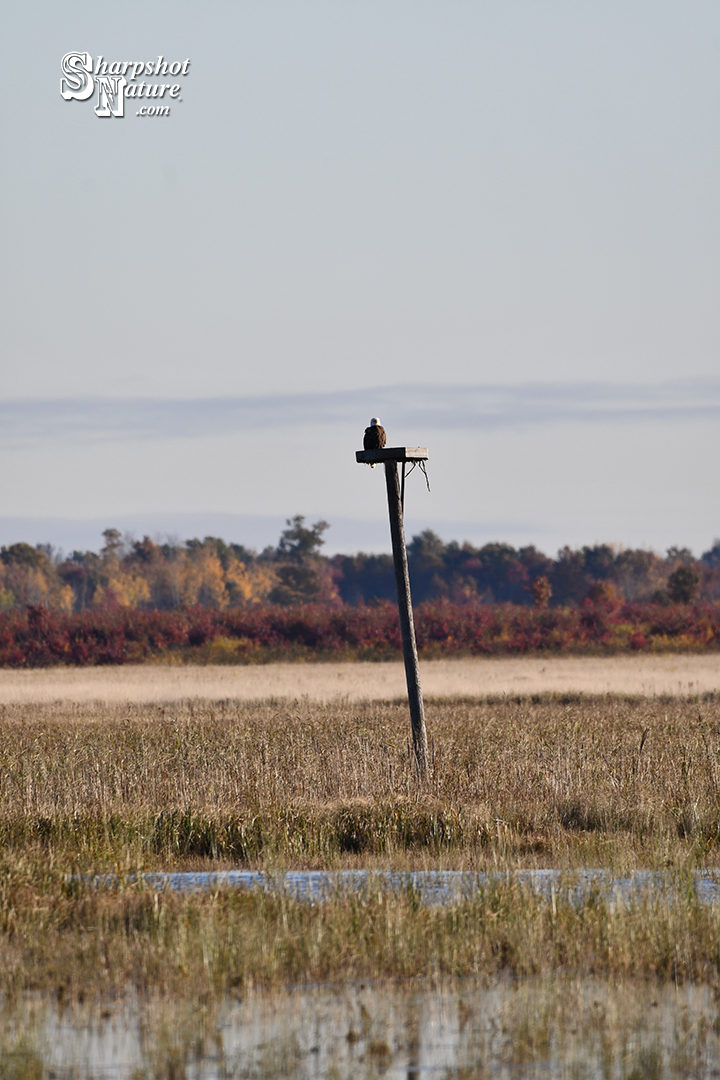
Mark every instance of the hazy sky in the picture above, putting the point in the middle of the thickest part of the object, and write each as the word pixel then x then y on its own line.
pixel 496 225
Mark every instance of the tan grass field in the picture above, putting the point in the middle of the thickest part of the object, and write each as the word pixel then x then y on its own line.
pixel 534 781
pixel 671 674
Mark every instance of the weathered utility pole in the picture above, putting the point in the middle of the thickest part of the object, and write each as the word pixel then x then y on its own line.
pixel 390 456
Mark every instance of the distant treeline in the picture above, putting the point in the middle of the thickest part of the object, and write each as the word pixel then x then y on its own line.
pixel 146 576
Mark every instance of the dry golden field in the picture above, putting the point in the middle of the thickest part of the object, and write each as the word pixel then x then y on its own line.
pixel 650 675
pixel 544 780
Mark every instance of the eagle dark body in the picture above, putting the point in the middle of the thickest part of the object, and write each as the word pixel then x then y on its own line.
pixel 375 437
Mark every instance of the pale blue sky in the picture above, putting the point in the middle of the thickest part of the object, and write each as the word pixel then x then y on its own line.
pixel 358 208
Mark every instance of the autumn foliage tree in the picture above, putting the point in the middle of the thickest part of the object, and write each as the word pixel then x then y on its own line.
pixel 150 575
pixel 541 591
pixel 27 578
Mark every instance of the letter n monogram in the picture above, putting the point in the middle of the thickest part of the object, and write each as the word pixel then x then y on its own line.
pixel 111 93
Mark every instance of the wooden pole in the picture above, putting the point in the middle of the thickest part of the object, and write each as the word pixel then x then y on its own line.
pixel 407 626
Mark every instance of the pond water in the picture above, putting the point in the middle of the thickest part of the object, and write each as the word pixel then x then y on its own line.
pixel 434 886
pixel 463 1030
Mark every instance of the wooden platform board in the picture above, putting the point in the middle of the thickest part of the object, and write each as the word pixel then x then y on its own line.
pixel 392 453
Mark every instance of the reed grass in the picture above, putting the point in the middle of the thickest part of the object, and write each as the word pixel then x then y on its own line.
pixel 546 781
pixel 77 941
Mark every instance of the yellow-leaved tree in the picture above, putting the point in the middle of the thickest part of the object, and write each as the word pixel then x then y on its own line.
pixel 249 584
pixel 28 577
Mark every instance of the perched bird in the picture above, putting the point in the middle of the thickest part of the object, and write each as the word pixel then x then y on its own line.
pixel 375 437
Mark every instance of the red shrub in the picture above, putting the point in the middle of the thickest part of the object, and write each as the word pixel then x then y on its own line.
pixel 38 637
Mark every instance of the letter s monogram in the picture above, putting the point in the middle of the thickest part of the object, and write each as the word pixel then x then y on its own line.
pixel 78 82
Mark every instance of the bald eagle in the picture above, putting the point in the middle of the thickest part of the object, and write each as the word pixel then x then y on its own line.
pixel 375 437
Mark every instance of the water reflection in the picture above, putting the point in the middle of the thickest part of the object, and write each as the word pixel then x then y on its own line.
pixel 533 1028
pixel 434 886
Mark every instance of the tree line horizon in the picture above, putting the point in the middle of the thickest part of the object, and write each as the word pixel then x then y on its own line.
pixel 211 573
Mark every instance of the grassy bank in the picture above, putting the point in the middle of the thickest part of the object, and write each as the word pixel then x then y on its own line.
pixel 567 782
pixel 79 942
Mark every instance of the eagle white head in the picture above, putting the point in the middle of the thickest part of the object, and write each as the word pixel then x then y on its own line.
pixel 375 421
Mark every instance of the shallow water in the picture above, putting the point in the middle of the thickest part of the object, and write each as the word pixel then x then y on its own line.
pixel 435 886
pixel 535 1028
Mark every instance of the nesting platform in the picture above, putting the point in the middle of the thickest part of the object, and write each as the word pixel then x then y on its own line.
pixel 392 453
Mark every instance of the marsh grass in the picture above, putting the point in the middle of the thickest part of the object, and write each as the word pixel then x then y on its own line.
pixel 80 943
pixel 560 781
pixel 557 781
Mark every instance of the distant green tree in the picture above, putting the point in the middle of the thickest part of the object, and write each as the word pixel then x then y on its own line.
pixel 24 555
pixel 683 585
pixel 568 577
pixel 145 551
pixel 427 545
pixel 298 562
pixel 426 562
pixel 599 561
pixel 113 543
pixel 711 558
pixel 535 563
pixel 83 571
pixel 364 578
pixel 299 542
pixel 680 554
